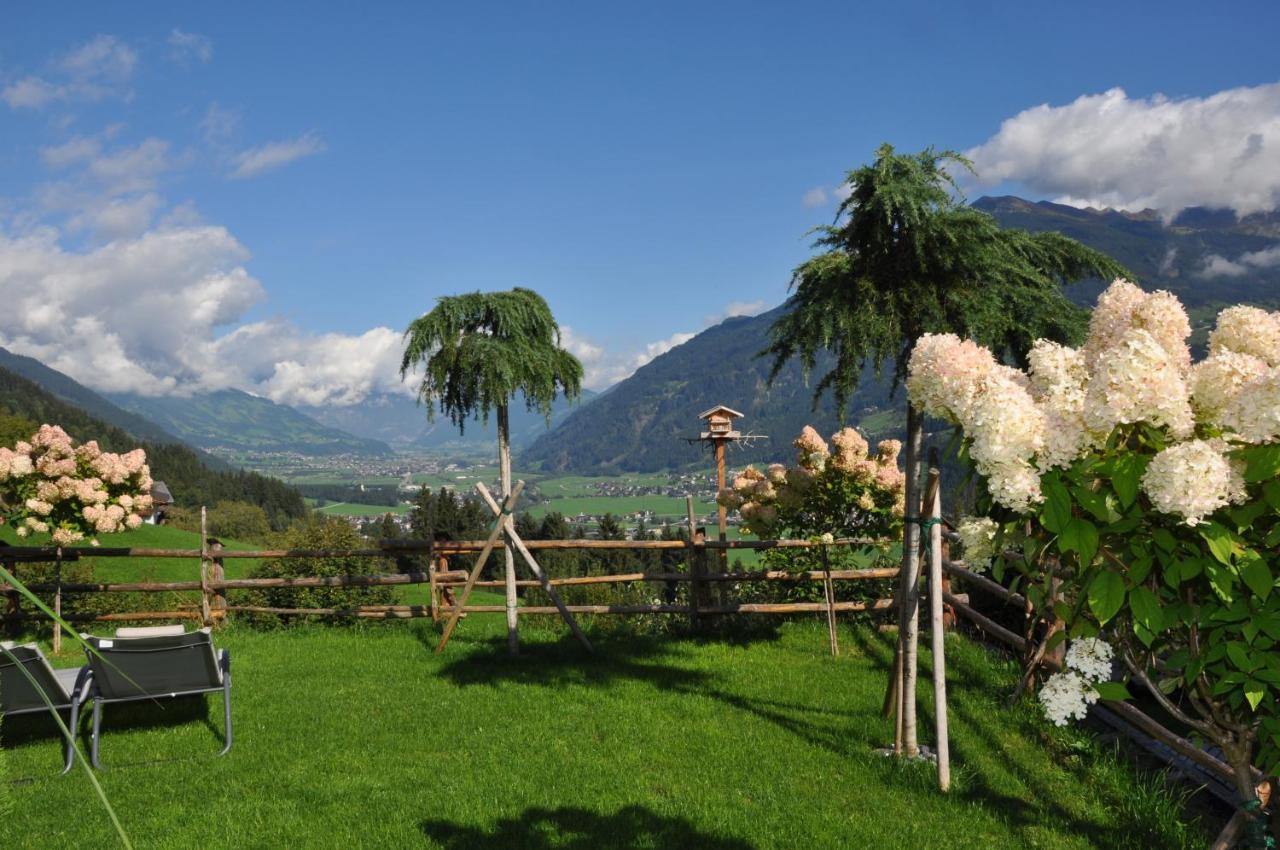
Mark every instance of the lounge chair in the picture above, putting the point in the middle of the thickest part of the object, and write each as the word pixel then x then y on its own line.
pixel 66 688
pixel 156 663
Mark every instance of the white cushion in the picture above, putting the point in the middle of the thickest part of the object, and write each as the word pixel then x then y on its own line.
pixel 150 631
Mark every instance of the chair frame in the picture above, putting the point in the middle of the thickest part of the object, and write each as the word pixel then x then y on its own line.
pixel 79 694
pixel 224 665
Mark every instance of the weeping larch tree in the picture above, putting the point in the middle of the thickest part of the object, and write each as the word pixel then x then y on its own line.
pixel 476 352
pixel 905 257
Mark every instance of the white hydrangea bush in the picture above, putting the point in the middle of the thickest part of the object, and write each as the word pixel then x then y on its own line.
pixel 1138 491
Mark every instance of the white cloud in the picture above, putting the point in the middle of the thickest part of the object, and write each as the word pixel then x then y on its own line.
pixel 31 93
pixel 219 124
pixel 1216 265
pixel 1110 150
pixel 160 314
pixel 102 58
pixel 98 68
pixel 732 309
pixel 273 155
pixel 815 197
pixel 603 368
pixel 185 46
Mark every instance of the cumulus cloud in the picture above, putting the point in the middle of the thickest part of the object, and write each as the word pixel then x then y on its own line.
pixel 161 313
pixel 92 71
pixel 1216 265
pixel 815 197
pixel 184 47
pixel 1110 150
pixel 268 157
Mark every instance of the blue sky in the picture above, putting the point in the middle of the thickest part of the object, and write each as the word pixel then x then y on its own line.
pixel 643 166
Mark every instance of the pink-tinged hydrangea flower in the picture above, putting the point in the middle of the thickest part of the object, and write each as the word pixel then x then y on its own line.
pixel 38 507
pixel 1138 381
pixel 776 473
pixel 1006 430
pixel 132 521
pixel 812 451
pixel 1217 380
pixel 1192 480
pixel 65 536
pixel 1254 413
pixel 88 451
pixel 1111 319
pixel 849 450
pixel 887 452
pixel 1248 330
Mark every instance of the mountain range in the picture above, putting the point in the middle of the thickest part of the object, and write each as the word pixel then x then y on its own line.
pixel 1207 257
pixel 642 424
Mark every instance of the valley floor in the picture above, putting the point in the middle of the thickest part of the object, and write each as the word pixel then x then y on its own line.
pixel 361 736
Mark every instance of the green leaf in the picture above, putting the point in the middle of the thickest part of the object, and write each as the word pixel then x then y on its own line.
pixel 1094 503
pixel 1261 462
pixel 1115 691
pixel 1271 493
pixel 1125 474
pixel 1257 576
pixel 1146 609
pixel 1106 595
pixel 1239 655
pixel 1164 539
pixel 1057 504
pixel 1080 536
pixel 1222 542
pixel 1254 692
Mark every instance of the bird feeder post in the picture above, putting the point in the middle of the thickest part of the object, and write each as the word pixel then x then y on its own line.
pixel 719 433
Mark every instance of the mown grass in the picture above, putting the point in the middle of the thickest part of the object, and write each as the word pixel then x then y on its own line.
pixel 363 737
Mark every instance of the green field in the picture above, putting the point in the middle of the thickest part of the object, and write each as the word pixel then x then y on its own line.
pixel 363 737
pixel 663 506
pixel 350 509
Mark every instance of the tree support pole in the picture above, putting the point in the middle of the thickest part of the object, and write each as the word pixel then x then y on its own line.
pixel 937 628
pixel 515 540
pixel 507 504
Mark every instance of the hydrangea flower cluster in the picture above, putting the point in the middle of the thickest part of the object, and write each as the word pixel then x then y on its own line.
pixel 978 537
pixel 1135 367
pixel 767 500
pixel 1068 695
pixel 50 486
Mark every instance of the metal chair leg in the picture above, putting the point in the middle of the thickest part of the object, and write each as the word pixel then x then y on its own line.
pixel 226 699
pixel 71 738
pixel 93 740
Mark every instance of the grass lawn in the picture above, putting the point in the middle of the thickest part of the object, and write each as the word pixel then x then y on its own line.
pixel 355 737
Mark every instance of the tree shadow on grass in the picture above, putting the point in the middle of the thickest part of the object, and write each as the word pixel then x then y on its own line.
pixel 975 738
pixel 571 828
pixel 651 660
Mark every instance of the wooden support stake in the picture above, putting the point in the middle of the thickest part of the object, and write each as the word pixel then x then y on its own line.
pixel 830 592
pixel 514 539
pixel 695 586
pixel 507 503
pixel 57 605
pixel 937 629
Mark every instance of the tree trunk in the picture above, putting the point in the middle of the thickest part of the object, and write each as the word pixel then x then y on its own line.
pixel 504 471
pixel 909 590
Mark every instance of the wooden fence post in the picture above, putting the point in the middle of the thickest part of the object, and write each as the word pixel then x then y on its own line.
pixel 217 573
pixel 432 567
pixel 206 616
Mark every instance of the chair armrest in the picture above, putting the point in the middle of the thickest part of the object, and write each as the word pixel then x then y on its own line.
pixel 83 680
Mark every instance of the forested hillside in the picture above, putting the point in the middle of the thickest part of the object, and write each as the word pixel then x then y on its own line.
pixel 189 478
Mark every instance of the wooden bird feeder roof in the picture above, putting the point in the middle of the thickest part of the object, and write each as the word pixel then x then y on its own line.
pixel 722 410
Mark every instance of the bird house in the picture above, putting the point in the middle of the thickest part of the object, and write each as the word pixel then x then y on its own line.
pixel 720 423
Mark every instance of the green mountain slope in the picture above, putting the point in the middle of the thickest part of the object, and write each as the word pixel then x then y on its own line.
pixel 231 419
pixel 85 399
pixel 191 481
pixel 400 421
pixel 642 423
